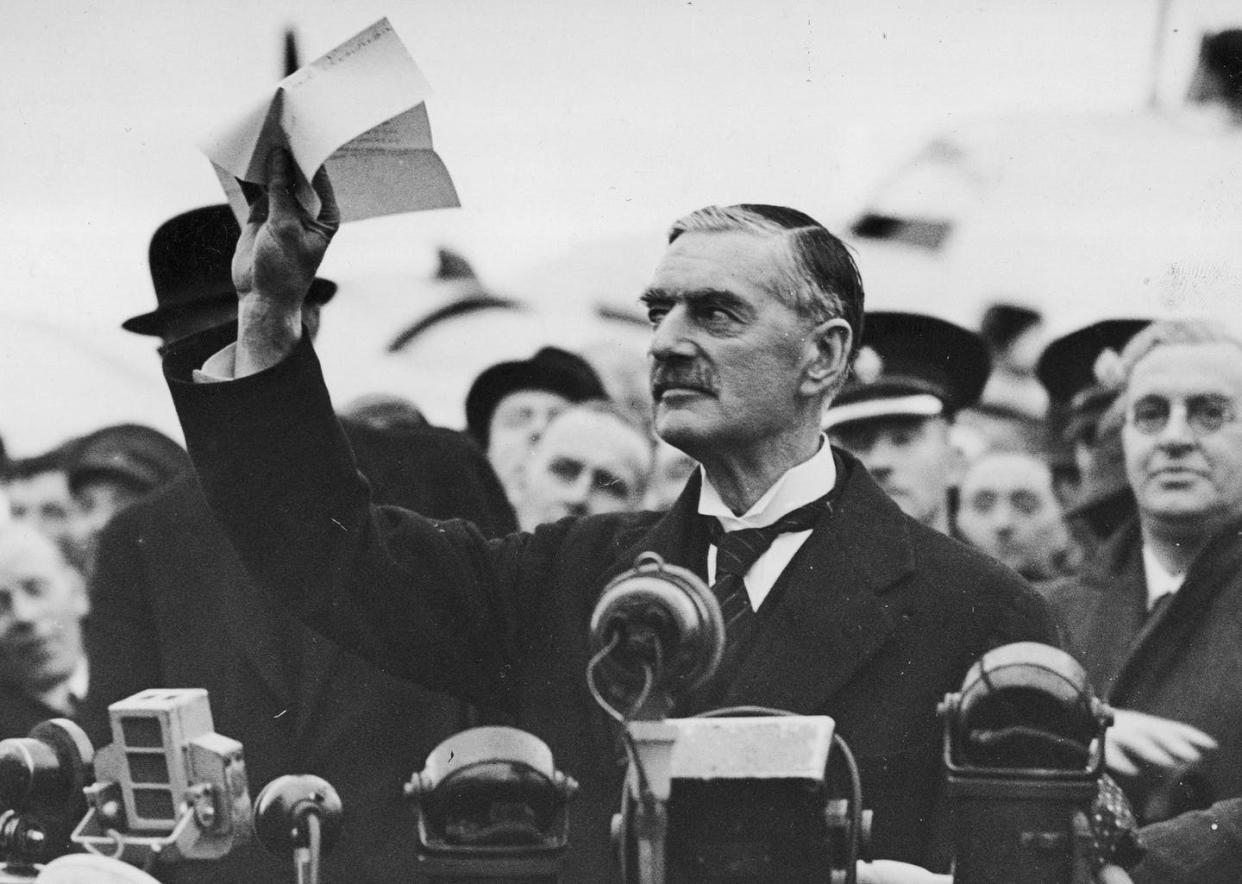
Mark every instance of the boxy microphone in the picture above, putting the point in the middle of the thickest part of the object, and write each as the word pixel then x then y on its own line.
pixel 168 788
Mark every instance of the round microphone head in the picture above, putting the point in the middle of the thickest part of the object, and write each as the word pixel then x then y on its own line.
pixel 281 810
pixel 1027 704
pixel 662 618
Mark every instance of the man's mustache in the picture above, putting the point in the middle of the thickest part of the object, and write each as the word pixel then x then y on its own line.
pixel 692 376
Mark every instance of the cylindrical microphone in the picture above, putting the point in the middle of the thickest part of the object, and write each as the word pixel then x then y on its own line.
pixel 41 781
pixel 300 815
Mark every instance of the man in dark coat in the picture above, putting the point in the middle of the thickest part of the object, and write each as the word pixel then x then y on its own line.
pixel 866 616
pixel 1154 617
pixel 175 607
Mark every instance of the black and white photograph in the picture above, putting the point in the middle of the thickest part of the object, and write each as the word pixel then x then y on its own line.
pixel 657 442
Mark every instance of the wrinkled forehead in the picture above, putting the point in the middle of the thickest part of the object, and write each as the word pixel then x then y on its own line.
pixel 741 262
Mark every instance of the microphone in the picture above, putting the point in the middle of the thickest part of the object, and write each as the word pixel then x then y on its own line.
pixel 168 788
pixel 1024 755
pixel 41 780
pixel 299 815
pixel 491 806
pixel 656 634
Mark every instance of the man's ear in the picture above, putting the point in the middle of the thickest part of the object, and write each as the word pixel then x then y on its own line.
pixel 829 358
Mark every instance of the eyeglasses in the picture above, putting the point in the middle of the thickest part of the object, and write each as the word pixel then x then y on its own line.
pixel 1204 414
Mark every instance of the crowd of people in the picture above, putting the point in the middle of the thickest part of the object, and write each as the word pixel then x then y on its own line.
pixel 933 491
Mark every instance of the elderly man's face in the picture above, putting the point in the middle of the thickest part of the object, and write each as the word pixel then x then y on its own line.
pixel 911 458
pixel 1183 433
pixel 727 357
pixel 586 463
pixel 1010 512
pixel 41 605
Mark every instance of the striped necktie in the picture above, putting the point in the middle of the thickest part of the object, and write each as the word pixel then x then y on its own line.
pixel 737 551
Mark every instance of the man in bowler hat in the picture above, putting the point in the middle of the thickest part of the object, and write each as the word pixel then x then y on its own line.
pixel 174 606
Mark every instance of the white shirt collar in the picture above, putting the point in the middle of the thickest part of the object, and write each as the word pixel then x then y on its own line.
pixel 808 481
pixel 1159 581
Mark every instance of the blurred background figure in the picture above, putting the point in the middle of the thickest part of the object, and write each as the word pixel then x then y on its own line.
pixel 1008 509
pixel 381 411
pixel 1085 453
pixel 43 671
pixel 590 459
pixel 511 403
pixel 911 377
pixel 668 476
pixel 1218 77
pixel 37 489
pixel 1010 413
pixel 110 470
pixel 1015 336
pixel 1153 615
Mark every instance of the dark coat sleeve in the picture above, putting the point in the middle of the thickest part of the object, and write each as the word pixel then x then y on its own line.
pixel 1200 847
pixel 431 601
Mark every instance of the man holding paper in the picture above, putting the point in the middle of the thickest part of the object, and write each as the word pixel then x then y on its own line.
pixel 858 612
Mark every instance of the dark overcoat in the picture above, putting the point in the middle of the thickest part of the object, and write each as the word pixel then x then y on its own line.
pixel 1183 662
pixel 174 607
pixel 19 711
pixel 875 619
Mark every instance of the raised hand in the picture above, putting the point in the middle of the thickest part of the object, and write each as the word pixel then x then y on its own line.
pixel 280 249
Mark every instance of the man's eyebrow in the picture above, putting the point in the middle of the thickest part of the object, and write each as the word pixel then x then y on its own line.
pixel 659 296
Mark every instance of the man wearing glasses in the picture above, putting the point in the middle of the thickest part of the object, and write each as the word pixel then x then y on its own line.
pixel 1156 618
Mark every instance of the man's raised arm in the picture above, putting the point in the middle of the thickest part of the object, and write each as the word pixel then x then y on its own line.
pixel 279 251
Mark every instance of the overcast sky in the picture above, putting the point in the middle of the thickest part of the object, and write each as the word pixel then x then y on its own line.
pixel 560 120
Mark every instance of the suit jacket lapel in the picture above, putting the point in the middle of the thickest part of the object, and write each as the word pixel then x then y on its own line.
pixel 1117 624
pixel 680 537
pixel 831 615
pixel 1166 634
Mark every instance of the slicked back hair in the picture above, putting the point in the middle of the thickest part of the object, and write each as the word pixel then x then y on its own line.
pixel 819 280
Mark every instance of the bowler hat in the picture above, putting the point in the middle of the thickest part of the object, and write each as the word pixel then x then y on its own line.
pixel 551 369
pixel 911 365
pixel 191 258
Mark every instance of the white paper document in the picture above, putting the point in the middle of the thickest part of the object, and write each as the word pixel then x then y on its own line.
pixel 360 110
